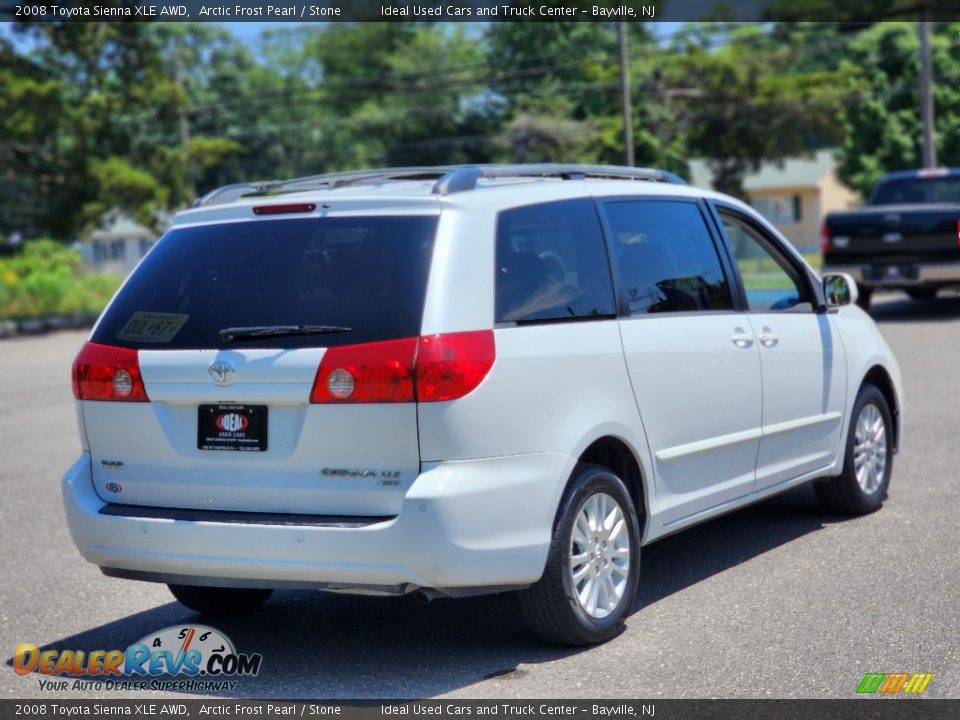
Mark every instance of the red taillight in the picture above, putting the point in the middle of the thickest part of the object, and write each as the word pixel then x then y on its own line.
pixel 824 238
pixel 426 369
pixel 452 365
pixel 284 209
pixel 101 372
pixel 377 372
pixel 958 232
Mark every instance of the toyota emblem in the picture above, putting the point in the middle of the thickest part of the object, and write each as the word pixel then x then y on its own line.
pixel 222 372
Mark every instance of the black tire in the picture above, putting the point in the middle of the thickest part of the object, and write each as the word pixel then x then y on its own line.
pixel 922 293
pixel 864 295
pixel 843 494
pixel 219 600
pixel 550 606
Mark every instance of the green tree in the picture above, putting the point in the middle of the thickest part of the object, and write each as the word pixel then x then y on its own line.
pixel 104 125
pixel 881 127
pixel 748 100
pixel 556 91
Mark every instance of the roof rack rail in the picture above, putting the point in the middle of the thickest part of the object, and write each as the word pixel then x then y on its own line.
pixel 448 178
pixel 467 177
pixel 229 193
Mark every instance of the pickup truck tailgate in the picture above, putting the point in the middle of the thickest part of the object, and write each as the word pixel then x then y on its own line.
pixel 893 234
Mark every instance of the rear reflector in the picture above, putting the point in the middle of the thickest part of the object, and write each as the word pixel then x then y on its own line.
pixel 284 209
pixel 426 369
pixel 102 372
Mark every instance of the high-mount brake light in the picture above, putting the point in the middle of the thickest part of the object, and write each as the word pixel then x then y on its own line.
pixel 102 372
pixel 285 209
pixel 432 368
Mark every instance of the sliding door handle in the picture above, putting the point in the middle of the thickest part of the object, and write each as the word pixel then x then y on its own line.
pixel 767 338
pixel 741 338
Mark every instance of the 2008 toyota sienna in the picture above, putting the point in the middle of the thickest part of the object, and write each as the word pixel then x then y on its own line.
pixel 464 380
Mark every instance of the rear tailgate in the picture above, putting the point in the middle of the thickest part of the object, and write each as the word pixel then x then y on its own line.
pixel 230 425
pixel 351 459
pixel 893 234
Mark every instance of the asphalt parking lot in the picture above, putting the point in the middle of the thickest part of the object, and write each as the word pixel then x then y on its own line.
pixel 775 601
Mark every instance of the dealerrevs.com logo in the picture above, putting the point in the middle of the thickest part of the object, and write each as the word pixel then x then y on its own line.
pixel 202 654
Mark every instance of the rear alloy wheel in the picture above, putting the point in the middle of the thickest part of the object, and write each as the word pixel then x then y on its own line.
pixel 599 557
pixel 862 486
pixel 590 580
pixel 219 600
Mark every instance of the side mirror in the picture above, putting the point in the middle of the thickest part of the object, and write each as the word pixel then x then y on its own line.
pixel 839 289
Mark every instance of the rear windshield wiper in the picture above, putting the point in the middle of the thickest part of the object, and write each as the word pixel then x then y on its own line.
pixel 264 331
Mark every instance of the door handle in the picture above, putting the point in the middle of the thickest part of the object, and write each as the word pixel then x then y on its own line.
pixel 767 338
pixel 741 338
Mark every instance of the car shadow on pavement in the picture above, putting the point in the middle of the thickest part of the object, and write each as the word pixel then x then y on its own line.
pixel 681 560
pixel 899 308
pixel 325 646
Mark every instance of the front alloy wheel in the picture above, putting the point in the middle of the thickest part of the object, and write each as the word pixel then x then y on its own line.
pixel 861 487
pixel 870 449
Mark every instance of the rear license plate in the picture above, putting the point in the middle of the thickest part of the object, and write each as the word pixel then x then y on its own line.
pixel 232 427
pixel 894 272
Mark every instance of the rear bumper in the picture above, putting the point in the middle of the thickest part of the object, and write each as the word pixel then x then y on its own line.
pixel 470 524
pixel 933 273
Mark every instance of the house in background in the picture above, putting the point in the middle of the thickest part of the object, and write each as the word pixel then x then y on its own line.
pixel 117 247
pixel 794 197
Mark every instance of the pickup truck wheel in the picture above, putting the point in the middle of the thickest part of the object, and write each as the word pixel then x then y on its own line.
pixel 868 461
pixel 218 600
pixel 593 564
pixel 863 297
pixel 922 293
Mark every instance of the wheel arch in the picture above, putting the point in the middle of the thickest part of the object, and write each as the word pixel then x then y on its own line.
pixel 614 453
pixel 879 376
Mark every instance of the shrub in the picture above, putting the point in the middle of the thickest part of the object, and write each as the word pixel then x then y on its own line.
pixel 47 278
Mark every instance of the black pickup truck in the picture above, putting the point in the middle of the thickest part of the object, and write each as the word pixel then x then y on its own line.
pixel 907 237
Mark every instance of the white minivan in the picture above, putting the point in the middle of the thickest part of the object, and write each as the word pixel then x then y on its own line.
pixel 464 380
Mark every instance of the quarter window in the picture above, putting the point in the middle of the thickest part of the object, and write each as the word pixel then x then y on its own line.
pixel 769 280
pixel 552 264
pixel 667 259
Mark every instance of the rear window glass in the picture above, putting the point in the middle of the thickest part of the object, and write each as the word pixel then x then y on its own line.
pixel 918 190
pixel 365 273
pixel 552 263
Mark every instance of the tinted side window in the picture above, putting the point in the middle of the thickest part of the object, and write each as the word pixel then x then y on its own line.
pixel 769 281
pixel 552 263
pixel 667 259
pixel 365 273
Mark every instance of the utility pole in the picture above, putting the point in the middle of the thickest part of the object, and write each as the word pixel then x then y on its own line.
pixel 926 91
pixel 625 94
pixel 183 119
